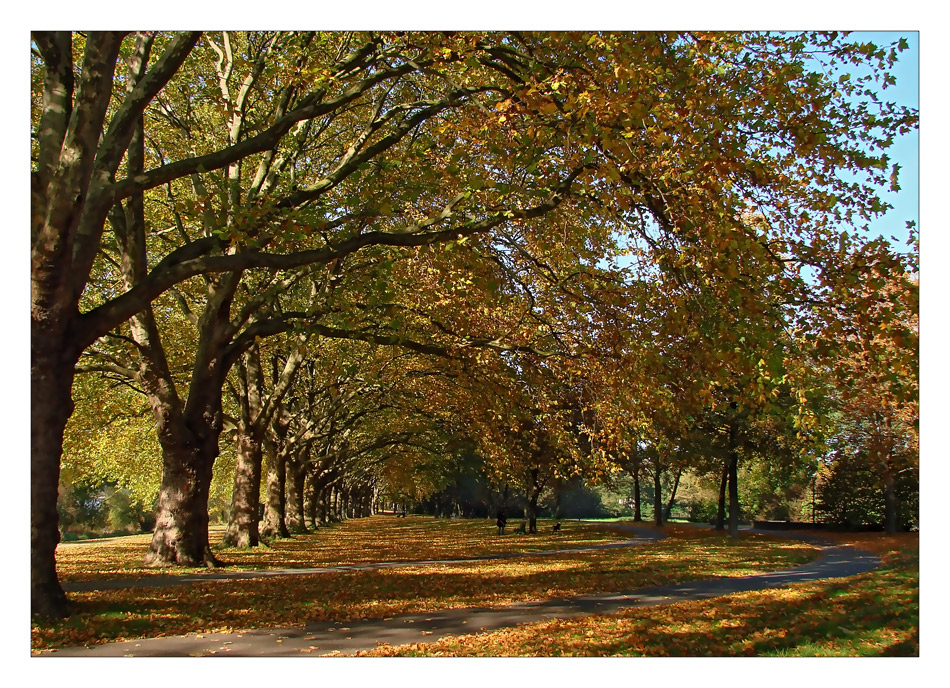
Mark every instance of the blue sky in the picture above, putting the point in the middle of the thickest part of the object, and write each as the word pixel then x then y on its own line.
pixel 905 150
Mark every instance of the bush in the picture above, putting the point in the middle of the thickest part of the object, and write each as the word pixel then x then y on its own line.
pixel 701 511
pixel 101 508
pixel 852 496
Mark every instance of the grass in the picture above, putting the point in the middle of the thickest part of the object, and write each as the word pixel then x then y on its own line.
pixel 234 606
pixel 873 614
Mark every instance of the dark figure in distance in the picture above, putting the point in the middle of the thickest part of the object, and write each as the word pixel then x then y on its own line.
pixel 501 522
pixel 557 527
pixel 523 529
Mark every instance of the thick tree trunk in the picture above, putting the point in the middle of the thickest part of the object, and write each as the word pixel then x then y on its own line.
pixel 295 520
pixel 721 511
pixel 310 500
pixel 321 502
pixel 243 524
pixel 336 502
pixel 181 527
pixel 657 496
pixel 50 407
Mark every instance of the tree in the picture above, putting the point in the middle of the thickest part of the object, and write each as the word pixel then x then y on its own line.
pixel 875 372
pixel 665 138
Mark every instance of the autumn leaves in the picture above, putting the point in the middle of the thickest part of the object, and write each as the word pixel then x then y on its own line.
pixel 346 255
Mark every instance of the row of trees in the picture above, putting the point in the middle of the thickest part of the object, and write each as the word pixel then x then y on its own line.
pixel 340 255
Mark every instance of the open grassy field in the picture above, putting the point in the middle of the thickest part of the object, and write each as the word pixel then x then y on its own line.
pixel 101 616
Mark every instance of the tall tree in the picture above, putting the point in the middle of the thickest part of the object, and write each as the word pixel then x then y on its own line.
pixel 665 138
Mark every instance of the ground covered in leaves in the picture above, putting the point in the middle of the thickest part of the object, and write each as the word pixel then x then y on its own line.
pixel 873 614
pixel 381 538
pixel 689 554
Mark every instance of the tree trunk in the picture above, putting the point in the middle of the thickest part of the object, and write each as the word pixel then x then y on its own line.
pixel 273 525
pixel 890 503
pixel 558 489
pixel 323 504
pixel 295 520
pixel 676 483
pixel 721 511
pixel 532 511
pixel 51 380
pixel 637 514
pixel 310 499
pixel 334 504
pixel 657 495
pixel 180 537
pixel 243 524
pixel 733 494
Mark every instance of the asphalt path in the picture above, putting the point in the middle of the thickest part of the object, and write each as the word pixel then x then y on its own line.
pixel 317 639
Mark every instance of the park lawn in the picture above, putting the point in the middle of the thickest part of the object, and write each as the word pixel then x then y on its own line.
pixel 234 606
pixel 872 614
pixel 362 540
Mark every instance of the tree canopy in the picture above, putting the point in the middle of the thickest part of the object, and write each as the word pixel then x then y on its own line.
pixel 342 255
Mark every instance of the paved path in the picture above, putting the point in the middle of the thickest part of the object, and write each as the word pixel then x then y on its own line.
pixel 321 638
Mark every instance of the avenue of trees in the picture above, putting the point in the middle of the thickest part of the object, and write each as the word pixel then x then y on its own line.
pixel 309 271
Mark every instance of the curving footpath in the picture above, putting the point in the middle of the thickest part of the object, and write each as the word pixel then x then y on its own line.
pixel 316 639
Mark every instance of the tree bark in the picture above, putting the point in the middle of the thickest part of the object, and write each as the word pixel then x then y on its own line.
pixel 637 514
pixel 310 500
pixel 890 503
pixel 72 124
pixel 295 520
pixel 243 523
pixel 273 525
pixel 733 493
pixel 50 407
pixel 657 495
pixel 180 537
pixel 676 483
pixel 721 511
pixel 537 485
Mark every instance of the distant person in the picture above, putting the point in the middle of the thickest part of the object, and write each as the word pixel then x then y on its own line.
pixel 557 527
pixel 501 522
pixel 523 528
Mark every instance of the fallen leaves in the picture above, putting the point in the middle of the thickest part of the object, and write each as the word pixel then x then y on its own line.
pixel 874 614
pixel 357 541
pixel 343 596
